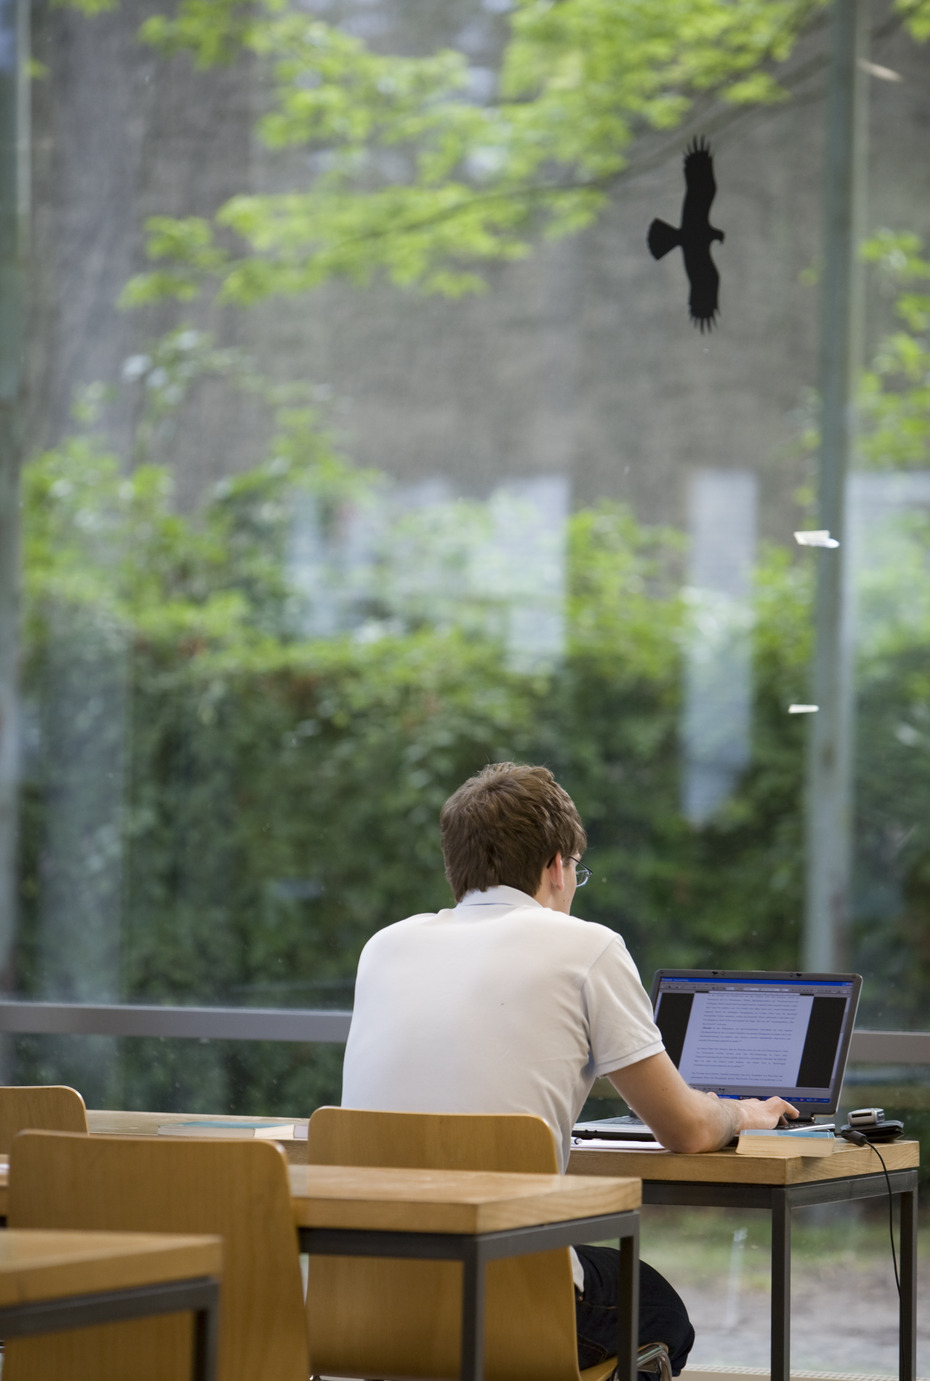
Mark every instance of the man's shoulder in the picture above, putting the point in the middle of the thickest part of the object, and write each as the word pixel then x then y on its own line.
pixel 397 929
pixel 588 940
pixel 595 931
pixel 591 937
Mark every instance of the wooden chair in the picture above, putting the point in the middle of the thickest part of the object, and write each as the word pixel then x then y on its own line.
pixel 403 1318
pixel 237 1189
pixel 54 1107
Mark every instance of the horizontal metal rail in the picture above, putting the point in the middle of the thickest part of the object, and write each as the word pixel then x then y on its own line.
pixel 891 1047
pixel 198 1023
pixel 279 1024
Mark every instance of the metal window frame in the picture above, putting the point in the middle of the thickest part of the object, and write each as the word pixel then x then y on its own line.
pixel 192 1023
pixel 277 1024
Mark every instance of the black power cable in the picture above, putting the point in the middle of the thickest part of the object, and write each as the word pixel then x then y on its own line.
pixel 858 1139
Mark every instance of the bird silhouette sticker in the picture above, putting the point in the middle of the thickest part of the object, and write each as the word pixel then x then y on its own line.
pixel 694 235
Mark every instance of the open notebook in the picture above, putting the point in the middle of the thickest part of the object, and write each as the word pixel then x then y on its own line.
pixel 752 1035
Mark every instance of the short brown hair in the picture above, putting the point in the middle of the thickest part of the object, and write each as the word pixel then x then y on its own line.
pixel 504 826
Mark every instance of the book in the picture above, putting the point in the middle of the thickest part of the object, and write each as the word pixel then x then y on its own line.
pixel 266 1131
pixel 787 1141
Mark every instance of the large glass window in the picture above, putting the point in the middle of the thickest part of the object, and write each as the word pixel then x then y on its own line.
pixel 366 441
pixel 345 476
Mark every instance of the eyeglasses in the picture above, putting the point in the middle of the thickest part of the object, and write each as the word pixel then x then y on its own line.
pixel 581 872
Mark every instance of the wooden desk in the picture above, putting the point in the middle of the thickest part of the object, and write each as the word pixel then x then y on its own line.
pixel 468 1216
pixel 779 1184
pixel 51 1281
pixel 473 1217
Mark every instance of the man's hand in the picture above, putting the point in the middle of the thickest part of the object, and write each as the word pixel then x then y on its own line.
pixel 762 1115
pixel 755 1114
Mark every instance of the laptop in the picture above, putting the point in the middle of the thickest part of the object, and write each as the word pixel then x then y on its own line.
pixel 744 1034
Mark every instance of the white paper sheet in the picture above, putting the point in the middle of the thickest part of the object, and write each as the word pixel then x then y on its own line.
pixel 598 1144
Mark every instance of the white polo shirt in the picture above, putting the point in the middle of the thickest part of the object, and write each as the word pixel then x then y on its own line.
pixel 496 1005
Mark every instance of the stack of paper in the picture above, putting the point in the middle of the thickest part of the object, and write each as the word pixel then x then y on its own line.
pixel 594 1143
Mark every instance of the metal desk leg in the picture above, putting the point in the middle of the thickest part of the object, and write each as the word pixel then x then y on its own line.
pixel 781 1286
pixel 907 1323
pixel 473 1268
pixel 206 1338
pixel 628 1305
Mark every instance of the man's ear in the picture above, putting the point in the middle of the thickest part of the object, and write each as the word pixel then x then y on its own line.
pixel 554 876
pixel 551 881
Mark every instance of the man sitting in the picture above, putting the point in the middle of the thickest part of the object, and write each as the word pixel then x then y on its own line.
pixel 506 1003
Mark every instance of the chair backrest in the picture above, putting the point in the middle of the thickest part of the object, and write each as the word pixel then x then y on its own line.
pixel 403 1318
pixel 54 1107
pixel 237 1189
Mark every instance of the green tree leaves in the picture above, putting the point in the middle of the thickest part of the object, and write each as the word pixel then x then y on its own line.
pixel 420 175
pixel 895 390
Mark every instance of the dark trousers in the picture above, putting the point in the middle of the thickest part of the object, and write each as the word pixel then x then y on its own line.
pixel 663 1317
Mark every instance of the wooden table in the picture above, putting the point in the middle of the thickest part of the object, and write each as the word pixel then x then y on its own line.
pixel 778 1185
pixel 51 1281
pixel 468 1216
pixel 473 1217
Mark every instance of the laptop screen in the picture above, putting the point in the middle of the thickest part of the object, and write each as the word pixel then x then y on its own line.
pixel 754 1035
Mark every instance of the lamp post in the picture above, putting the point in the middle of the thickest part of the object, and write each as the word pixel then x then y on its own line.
pixel 14 196
pixel 828 815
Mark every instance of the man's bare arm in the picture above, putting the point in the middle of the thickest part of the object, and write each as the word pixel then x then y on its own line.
pixel 684 1119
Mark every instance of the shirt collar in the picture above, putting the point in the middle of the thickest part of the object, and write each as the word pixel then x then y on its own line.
pixel 499 896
